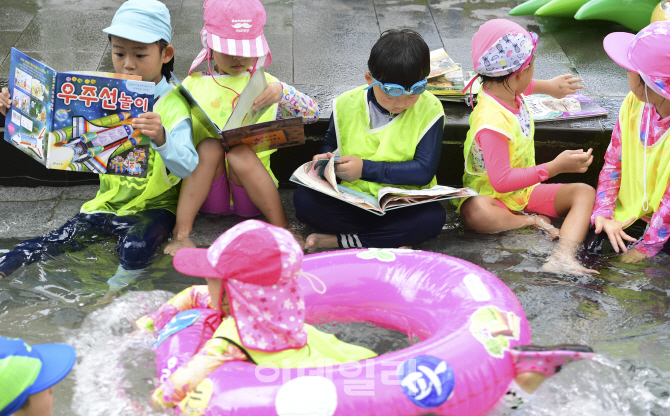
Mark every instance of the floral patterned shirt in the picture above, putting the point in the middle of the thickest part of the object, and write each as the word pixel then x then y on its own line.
pixel 216 351
pixel 609 183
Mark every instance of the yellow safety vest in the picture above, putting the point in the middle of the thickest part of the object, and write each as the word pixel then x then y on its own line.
pixel 321 349
pixel 631 192
pixel 490 114
pixel 125 195
pixel 396 141
pixel 217 102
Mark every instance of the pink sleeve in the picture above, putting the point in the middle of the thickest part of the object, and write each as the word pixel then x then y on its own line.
pixel 659 228
pixel 531 88
pixel 503 177
pixel 609 180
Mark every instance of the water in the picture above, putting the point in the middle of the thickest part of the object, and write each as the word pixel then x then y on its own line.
pixel 623 314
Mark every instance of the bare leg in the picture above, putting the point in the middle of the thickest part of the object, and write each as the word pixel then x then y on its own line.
pixel 530 381
pixel 576 200
pixel 247 170
pixel 484 215
pixel 194 191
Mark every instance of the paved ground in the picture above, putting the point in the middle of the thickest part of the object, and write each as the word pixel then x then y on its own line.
pixel 321 47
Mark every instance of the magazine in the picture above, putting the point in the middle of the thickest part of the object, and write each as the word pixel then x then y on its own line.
pixel 78 121
pixel 242 126
pixel 441 63
pixel 547 108
pixel 320 176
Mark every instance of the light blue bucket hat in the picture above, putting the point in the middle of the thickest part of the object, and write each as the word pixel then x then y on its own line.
pixel 144 21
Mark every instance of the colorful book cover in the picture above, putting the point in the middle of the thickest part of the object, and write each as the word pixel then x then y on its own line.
pixel 78 121
pixel 547 108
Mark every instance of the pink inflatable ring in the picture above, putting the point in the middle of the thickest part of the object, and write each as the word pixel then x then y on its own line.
pixel 466 318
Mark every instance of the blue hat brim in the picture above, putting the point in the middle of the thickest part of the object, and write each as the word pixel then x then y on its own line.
pixel 57 361
pixel 132 33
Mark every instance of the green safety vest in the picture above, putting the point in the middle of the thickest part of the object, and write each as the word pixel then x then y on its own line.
pixel 490 114
pixel 217 102
pixel 125 195
pixel 631 192
pixel 396 141
pixel 321 349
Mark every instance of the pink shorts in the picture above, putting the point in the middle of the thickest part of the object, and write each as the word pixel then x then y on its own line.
pixel 218 200
pixel 541 200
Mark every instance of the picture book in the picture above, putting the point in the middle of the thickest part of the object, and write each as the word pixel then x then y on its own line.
pixel 78 121
pixel 320 176
pixel 547 108
pixel 242 126
pixel 441 63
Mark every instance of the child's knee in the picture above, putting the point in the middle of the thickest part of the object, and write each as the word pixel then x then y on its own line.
pixel 242 158
pixel 474 210
pixel 583 193
pixel 210 149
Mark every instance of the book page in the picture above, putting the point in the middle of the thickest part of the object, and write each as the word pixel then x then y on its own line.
pixel 547 108
pixel 244 114
pixel 441 63
pixel 394 197
pixel 29 120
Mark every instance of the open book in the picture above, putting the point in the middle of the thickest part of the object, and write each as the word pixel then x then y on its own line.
pixel 547 108
pixel 78 121
pixel 320 176
pixel 242 126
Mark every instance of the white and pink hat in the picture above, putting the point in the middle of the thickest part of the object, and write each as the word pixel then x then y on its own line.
pixel 259 264
pixel 234 27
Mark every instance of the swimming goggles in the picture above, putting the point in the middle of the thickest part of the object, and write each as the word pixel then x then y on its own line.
pixel 395 90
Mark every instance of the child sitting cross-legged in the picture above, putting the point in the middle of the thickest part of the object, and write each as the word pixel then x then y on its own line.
pixel 390 134
pixel 251 273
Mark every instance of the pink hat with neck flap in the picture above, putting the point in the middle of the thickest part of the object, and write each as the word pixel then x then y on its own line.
pixel 234 27
pixel 259 264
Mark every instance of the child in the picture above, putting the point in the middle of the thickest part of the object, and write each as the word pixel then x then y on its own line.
pixel 240 175
pixel 635 181
pixel 28 375
pixel 139 211
pixel 499 152
pixel 390 133
pixel 258 265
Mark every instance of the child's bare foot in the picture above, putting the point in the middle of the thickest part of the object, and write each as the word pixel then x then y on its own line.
pixel 530 381
pixel 544 223
pixel 108 298
pixel 316 241
pixel 177 243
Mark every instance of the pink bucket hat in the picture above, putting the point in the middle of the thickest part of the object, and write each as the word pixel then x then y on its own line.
pixel 259 264
pixel 647 53
pixel 500 48
pixel 233 27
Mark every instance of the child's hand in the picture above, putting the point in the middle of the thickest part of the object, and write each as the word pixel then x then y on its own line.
pixel 614 231
pixel 150 125
pixel 564 85
pixel 633 256
pixel 350 168
pixel 5 101
pixel 570 161
pixel 272 94
pixel 322 156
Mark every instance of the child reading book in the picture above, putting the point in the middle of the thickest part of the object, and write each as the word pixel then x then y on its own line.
pixel 139 211
pixel 239 175
pixel 635 181
pixel 254 267
pixel 28 375
pixel 390 133
pixel 500 155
